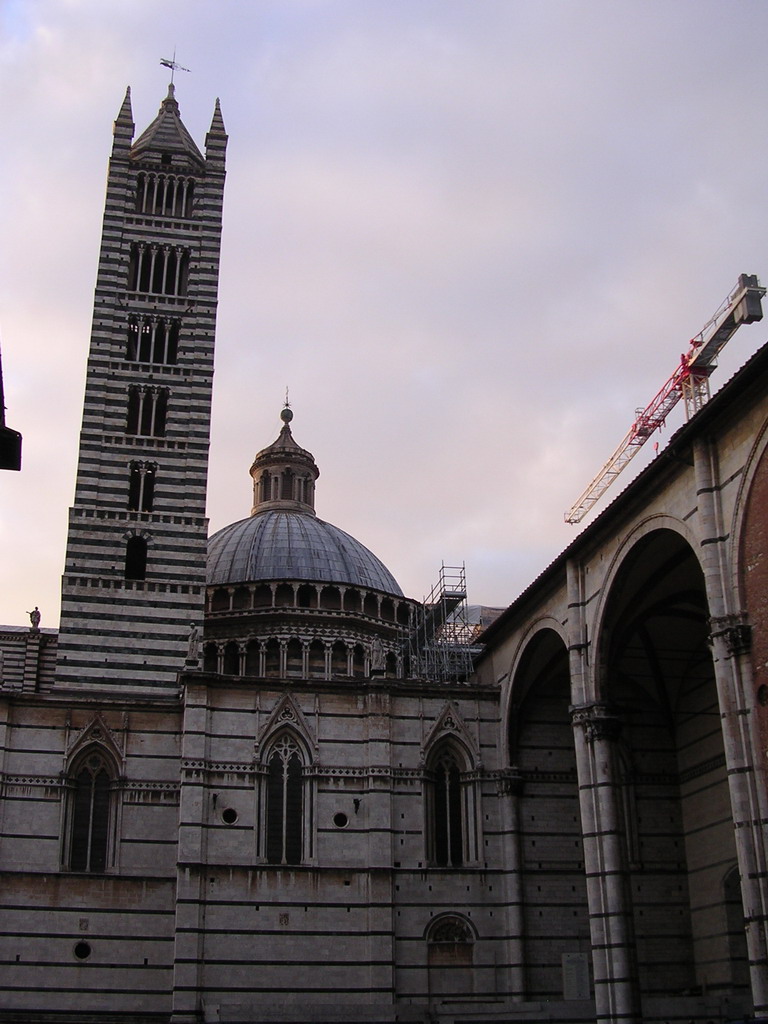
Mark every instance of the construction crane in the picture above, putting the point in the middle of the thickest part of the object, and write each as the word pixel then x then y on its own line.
pixel 690 381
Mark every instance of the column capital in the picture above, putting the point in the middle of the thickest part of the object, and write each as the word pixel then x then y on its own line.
pixel 734 630
pixel 510 782
pixel 598 720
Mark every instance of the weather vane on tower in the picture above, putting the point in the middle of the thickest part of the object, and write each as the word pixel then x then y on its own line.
pixel 172 64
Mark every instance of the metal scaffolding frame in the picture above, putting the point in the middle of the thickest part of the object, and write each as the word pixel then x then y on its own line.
pixel 439 646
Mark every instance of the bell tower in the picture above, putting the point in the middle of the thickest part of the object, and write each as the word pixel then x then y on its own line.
pixel 134 577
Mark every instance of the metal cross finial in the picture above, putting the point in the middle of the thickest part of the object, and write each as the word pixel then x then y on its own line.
pixel 287 403
pixel 172 64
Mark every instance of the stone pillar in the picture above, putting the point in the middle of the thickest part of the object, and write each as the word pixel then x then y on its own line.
pixel 31 660
pixel 730 637
pixel 510 790
pixel 189 940
pixel 617 999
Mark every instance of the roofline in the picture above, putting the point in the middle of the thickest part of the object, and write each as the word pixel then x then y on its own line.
pixel 744 380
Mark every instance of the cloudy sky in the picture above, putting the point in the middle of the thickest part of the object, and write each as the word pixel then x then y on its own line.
pixel 471 236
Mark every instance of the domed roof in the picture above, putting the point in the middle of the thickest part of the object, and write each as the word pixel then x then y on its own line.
pixel 283 539
pixel 293 545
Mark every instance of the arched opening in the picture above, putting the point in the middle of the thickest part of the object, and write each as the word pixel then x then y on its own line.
pixel 232 659
pixel 371 605
pixel 339 659
pixel 391 665
pixel 90 812
pixel 220 600
pixel 262 597
pixel 252 659
pixel 272 658
pixel 352 600
pixel 358 661
pixel 548 842
pixel 136 558
pixel 306 596
pixel 284 816
pixel 286 485
pixel 284 596
pixel 450 946
pixel 446 825
pixel 387 609
pixel 210 658
pixel 241 599
pixel 402 614
pixel 294 662
pixel 330 598
pixel 317 659
pixel 659 679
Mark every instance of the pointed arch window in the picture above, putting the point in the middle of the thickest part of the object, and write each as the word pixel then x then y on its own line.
pixel 448 845
pixel 287 808
pixel 451 806
pixel 90 813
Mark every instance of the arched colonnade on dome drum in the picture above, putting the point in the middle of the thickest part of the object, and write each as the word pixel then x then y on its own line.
pixel 634 779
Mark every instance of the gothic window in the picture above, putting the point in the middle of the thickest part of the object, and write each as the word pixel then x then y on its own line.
pixel 147 409
pixel 153 340
pixel 90 800
pixel 141 486
pixel 136 558
pixel 447 828
pixel 158 269
pixel 285 802
pixel 164 195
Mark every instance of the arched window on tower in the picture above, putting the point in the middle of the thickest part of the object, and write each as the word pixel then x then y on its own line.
pixel 136 558
pixel 286 812
pixel 141 486
pixel 153 340
pixel 158 269
pixel 90 811
pixel 164 195
pixel 147 411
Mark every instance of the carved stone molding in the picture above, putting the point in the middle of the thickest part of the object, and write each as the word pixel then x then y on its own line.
pixel 598 720
pixel 509 782
pixel 735 632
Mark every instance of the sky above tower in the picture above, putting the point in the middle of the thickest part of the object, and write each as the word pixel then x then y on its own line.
pixel 471 237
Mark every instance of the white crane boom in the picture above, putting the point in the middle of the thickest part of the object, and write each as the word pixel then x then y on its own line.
pixel 689 381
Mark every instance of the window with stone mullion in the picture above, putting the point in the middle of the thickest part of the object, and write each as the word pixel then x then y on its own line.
pixel 284 817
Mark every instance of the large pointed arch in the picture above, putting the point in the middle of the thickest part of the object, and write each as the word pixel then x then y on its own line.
pixel 656 676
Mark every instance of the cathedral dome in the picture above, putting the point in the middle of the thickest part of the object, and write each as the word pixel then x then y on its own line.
pixel 296 545
pixel 283 539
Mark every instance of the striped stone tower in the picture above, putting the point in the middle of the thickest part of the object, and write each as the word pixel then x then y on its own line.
pixel 134 578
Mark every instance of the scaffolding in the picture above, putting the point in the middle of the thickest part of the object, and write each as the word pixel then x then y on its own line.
pixel 440 645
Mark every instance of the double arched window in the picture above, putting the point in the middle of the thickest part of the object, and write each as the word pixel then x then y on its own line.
pixel 287 802
pixel 90 813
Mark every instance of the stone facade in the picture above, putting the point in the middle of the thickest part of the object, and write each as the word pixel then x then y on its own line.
pixel 279 817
